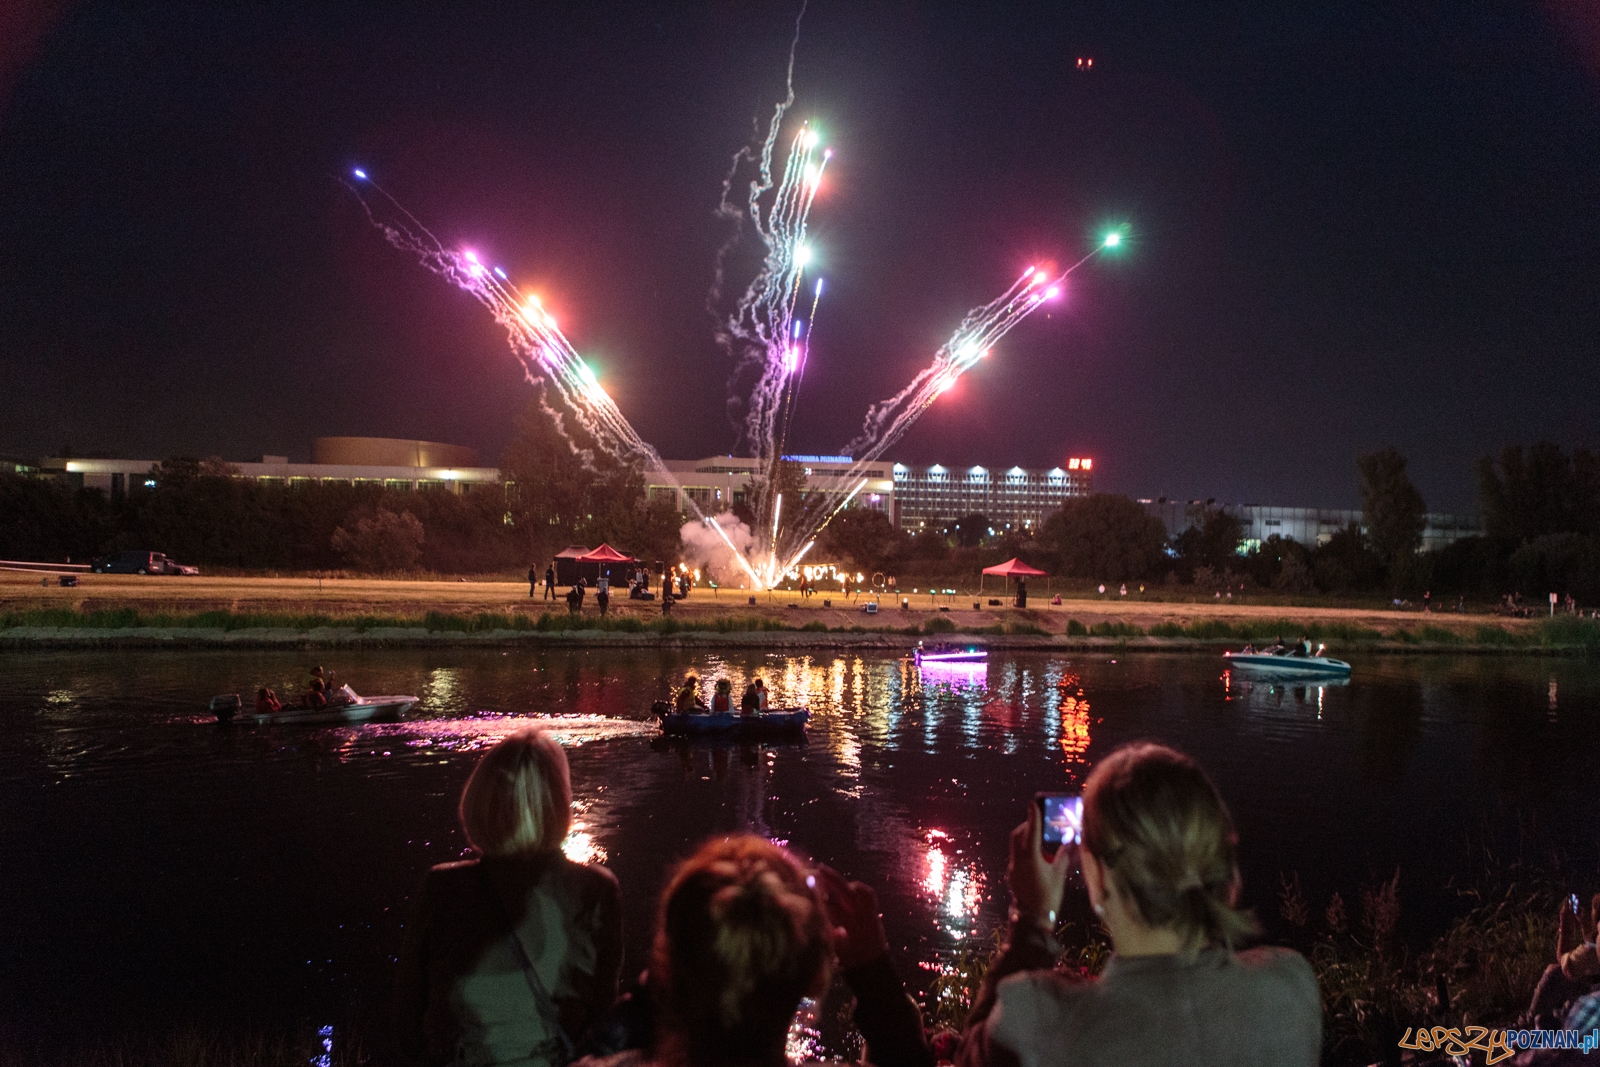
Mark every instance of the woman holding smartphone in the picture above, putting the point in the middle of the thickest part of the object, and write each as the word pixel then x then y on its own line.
pixel 1159 862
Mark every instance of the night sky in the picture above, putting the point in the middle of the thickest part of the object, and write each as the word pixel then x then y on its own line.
pixel 1350 225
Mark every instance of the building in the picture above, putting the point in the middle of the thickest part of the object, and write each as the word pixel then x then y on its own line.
pixel 1309 526
pixel 378 461
pixel 1013 499
pixel 716 483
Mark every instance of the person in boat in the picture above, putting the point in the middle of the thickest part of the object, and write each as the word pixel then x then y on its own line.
pixel 687 701
pixel 514 954
pixel 750 702
pixel 267 702
pixel 1304 648
pixel 761 692
pixel 316 690
pixel 722 700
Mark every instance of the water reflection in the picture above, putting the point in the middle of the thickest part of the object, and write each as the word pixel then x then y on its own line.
pixel 954 883
pixel 580 845
pixel 909 779
pixel 1270 692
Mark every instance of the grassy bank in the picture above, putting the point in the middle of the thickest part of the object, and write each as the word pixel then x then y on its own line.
pixel 481 622
pixel 1561 633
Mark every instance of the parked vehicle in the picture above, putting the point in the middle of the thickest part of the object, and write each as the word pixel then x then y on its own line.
pixel 141 562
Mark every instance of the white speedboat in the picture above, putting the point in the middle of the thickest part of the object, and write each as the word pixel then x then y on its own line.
pixel 948 656
pixel 1288 660
pixel 228 708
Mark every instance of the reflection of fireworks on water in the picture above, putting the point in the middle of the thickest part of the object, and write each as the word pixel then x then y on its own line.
pixel 1074 720
pixel 484 731
pixel 581 845
pixel 955 885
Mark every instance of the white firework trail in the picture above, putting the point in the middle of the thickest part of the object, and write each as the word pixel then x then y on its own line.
pixel 767 336
pixel 533 335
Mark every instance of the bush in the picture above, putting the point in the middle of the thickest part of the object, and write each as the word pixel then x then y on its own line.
pixel 1115 629
pixel 1569 630
pixel 388 541
pixel 939 626
pixel 1076 629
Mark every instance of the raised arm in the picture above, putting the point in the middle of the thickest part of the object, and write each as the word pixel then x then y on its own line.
pixel 885 1014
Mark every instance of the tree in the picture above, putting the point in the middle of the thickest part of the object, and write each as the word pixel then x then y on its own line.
pixel 1558 563
pixel 1545 492
pixel 1392 507
pixel 1346 562
pixel 865 538
pixel 570 490
pixel 387 541
pixel 970 530
pixel 1281 563
pixel 1211 542
pixel 1105 537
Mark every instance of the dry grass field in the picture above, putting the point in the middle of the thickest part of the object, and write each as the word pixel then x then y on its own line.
pixel 406 598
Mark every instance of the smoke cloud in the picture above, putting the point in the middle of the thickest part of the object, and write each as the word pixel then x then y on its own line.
pixel 703 547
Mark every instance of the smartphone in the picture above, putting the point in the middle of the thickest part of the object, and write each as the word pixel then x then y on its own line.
pixel 1572 902
pixel 1063 820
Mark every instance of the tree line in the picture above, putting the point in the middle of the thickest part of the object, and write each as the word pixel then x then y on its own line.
pixel 1541 508
pixel 561 490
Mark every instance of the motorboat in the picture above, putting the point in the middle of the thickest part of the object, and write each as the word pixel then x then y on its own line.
pixel 944 655
pixel 1284 660
pixel 350 709
pixel 698 723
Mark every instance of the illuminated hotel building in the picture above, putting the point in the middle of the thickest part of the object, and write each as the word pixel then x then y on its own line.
pixel 716 483
pixel 1014 499
pixel 914 497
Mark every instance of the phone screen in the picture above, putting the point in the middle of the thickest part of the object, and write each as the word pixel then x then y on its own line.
pixel 1063 820
pixel 1572 902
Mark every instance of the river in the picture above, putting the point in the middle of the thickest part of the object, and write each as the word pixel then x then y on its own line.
pixel 156 868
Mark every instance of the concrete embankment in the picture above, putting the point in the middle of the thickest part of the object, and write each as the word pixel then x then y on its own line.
pixel 20 638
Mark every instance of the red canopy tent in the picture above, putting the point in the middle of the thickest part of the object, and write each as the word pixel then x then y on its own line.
pixel 606 554
pixel 1014 568
pixel 608 561
pixel 1011 568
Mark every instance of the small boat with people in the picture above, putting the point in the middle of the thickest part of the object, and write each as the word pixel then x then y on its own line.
pixel 1281 659
pixel 949 655
pixel 343 706
pixel 701 722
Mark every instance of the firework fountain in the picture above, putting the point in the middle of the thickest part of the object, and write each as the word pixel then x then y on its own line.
pixel 768 337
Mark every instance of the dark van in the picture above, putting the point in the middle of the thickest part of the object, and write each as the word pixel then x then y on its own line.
pixel 139 563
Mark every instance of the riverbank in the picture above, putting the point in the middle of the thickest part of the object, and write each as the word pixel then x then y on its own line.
pixel 1009 630
pixel 292 612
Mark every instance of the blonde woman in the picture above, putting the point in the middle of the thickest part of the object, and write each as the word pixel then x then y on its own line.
pixel 510 956
pixel 1159 863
